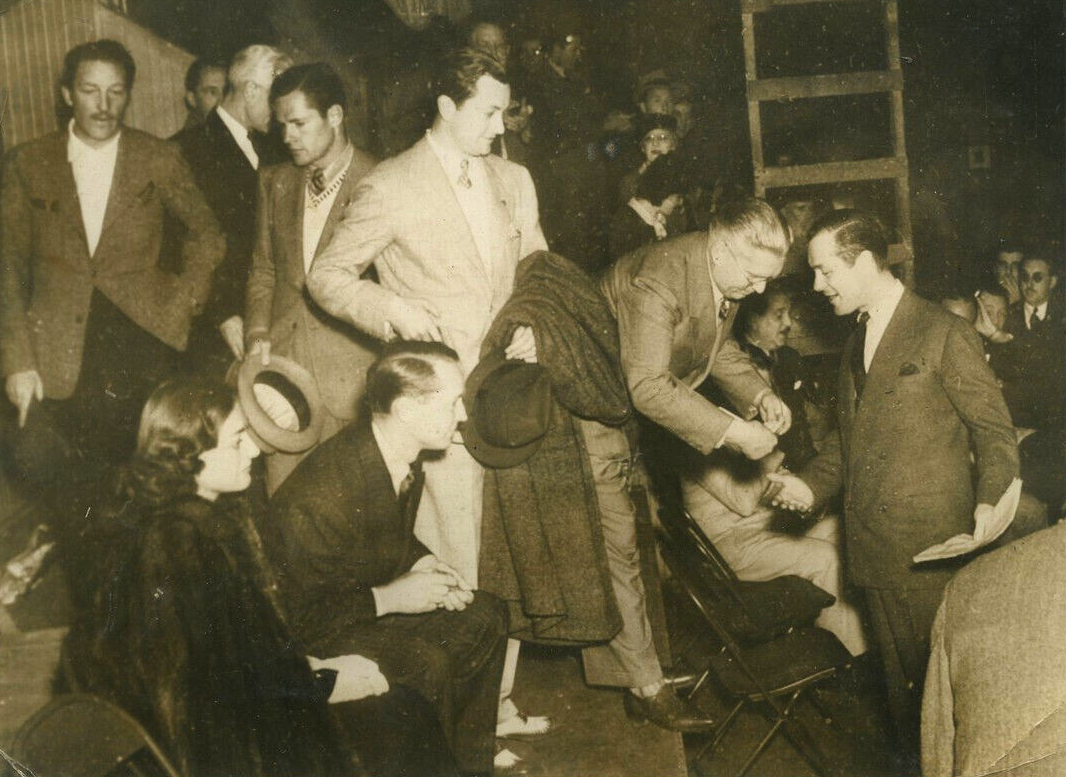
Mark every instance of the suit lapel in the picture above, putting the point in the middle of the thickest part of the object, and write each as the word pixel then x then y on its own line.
pixel 340 204
pixel 123 184
pixel 439 189
pixel 58 172
pixel 289 216
pixel 381 496
pixel 503 217
pixel 895 344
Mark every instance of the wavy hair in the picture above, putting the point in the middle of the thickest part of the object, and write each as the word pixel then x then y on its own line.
pixel 180 421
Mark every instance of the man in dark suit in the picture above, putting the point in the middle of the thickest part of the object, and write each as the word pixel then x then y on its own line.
pixel 224 152
pixel 352 575
pixel 89 323
pixel 915 398
pixel 300 204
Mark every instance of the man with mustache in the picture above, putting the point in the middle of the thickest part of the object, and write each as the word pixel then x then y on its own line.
pixel 89 322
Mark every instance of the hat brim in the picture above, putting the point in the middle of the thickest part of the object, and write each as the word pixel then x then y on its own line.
pixel 267 434
pixel 485 453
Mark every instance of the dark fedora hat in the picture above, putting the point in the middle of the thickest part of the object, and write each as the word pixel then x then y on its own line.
pixel 508 408
pixel 269 393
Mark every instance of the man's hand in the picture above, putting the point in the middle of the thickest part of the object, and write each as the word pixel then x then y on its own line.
pixel 793 493
pixel 22 388
pixel 262 348
pixel 415 592
pixel 415 319
pixel 750 438
pixel 523 346
pixel 983 516
pixel 232 330
pixel 775 413
pixel 357 677
pixel 460 593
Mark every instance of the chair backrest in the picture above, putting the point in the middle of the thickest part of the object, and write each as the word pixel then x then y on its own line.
pixel 81 735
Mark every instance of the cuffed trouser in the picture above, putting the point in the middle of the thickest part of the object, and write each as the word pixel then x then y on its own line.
pixel 756 552
pixel 629 660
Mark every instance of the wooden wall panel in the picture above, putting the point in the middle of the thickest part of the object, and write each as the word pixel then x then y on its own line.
pixel 34 36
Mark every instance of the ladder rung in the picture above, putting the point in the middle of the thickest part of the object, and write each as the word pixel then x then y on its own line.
pixel 831 172
pixel 756 6
pixel 825 86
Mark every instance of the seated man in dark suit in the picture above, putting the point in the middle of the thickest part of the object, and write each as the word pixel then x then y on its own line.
pixel 353 577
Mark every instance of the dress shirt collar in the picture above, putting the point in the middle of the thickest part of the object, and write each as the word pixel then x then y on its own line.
pixel 78 149
pixel 397 466
pixel 338 165
pixel 882 309
pixel 1040 310
pixel 451 158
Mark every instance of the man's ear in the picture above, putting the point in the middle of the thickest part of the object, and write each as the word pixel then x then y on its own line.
pixel 335 116
pixel 446 107
pixel 68 98
pixel 1052 281
pixel 190 100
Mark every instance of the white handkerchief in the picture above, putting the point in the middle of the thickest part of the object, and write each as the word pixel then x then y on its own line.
pixel 960 544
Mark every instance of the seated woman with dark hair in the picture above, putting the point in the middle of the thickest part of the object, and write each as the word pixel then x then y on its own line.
pixel 656 210
pixel 176 618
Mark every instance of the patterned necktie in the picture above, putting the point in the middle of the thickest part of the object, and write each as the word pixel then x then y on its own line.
pixel 409 486
pixel 318 180
pixel 724 308
pixel 464 176
pixel 858 357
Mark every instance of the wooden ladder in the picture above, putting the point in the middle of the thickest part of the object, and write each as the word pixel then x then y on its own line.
pixel 835 85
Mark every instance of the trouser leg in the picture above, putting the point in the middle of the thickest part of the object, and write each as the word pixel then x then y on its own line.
pixel 633 647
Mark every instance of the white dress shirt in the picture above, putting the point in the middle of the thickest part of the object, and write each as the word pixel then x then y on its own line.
pixel 1040 310
pixel 880 314
pixel 475 200
pixel 318 206
pixel 397 466
pixel 241 135
pixel 94 170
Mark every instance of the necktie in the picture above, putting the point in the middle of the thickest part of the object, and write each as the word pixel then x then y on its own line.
pixel 464 176
pixel 318 180
pixel 724 308
pixel 409 487
pixel 858 357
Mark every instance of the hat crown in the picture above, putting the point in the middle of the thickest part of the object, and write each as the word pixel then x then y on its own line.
pixel 512 407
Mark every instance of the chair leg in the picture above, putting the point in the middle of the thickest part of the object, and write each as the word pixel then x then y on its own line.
pixel 816 702
pixel 719 733
pixel 797 734
pixel 761 746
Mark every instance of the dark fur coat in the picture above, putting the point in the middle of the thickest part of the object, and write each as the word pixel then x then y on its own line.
pixel 176 624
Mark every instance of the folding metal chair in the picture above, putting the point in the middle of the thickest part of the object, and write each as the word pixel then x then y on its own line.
pixel 772 675
pixel 81 735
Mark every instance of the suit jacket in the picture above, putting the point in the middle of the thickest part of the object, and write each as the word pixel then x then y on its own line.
pixel 230 185
pixel 1032 368
pixel 995 692
pixel 278 306
pixel 672 340
pixel 406 221
pixel 903 458
pixel 48 276
pixel 335 532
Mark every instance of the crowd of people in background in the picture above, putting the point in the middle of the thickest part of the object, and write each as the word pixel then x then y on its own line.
pixel 493 337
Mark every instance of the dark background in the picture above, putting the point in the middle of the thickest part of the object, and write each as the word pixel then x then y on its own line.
pixel 977 73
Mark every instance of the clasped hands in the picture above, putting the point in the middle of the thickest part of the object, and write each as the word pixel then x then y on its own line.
pixel 429 585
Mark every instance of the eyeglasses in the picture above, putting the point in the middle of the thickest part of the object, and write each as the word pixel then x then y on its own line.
pixel 658 137
pixel 754 281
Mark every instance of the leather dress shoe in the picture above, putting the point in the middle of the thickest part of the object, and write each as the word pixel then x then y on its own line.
pixel 666 710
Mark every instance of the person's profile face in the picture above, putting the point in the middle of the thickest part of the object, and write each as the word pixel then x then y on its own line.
pixel 1035 281
pixel 227 467
pixel 98 98
pixel 478 121
pixel 739 268
pixel 841 283
pixel 307 133
pixel 434 417
pixel 770 330
pixel 208 93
